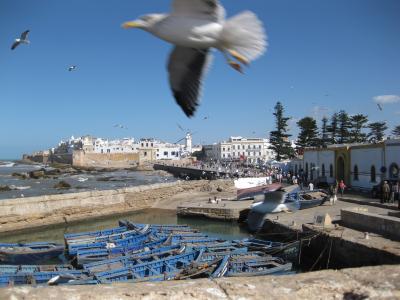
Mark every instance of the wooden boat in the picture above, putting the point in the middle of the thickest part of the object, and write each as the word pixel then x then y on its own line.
pixel 30 253
pixel 90 234
pixel 93 255
pixel 55 277
pixel 258 268
pixel 125 242
pixel 288 251
pixel 170 265
pixel 13 269
pixel 105 238
pixel 124 261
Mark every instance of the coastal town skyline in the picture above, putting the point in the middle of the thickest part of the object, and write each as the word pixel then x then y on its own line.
pixel 343 57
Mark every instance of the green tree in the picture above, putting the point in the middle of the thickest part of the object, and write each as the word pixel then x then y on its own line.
pixel 396 131
pixel 357 124
pixel 343 127
pixel 377 131
pixel 324 140
pixel 333 129
pixel 279 138
pixel 308 136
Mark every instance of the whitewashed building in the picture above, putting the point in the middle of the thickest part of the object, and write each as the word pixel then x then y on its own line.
pixel 100 145
pixel 361 166
pixel 251 150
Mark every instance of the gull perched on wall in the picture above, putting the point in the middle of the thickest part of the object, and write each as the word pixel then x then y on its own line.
pixel 194 27
pixel 23 39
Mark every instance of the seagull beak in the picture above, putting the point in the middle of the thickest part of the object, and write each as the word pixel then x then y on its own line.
pixel 132 24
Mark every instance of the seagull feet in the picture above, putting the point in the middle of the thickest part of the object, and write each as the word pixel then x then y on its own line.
pixel 240 58
pixel 236 66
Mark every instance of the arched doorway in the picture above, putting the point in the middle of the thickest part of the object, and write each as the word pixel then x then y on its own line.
pixel 340 168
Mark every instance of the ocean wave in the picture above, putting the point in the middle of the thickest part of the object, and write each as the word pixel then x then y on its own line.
pixel 15 187
pixel 6 164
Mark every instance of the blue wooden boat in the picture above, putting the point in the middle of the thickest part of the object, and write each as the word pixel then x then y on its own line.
pixel 29 253
pixel 13 269
pixel 89 234
pixel 156 227
pixel 257 268
pixel 168 265
pixel 132 240
pixel 105 238
pixel 135 259
pixel 288 251
pixel 34 278
pixel 93 255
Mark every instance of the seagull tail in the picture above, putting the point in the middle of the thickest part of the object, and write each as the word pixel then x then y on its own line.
pixel 245 34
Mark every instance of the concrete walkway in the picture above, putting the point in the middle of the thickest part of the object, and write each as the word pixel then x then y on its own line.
pixel 366 199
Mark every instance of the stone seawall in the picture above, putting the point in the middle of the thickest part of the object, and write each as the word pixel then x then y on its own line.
pixel 22 213
pixel 363 283
pixel 83 159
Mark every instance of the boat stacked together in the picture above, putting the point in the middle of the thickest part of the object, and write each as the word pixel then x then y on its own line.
pixel 140 252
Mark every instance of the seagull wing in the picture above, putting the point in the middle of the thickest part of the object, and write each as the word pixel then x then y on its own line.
pixel 187 68
pixel 206 9
pixel 24 35
pixel 15 45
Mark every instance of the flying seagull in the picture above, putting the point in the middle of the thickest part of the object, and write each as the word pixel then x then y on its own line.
pixel 194 27
pixel 71 68
pixel 23 39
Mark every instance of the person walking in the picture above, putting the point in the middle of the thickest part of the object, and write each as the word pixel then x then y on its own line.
pixel 342 186
pixel 311 186
pixel 385 192
pixel 333 193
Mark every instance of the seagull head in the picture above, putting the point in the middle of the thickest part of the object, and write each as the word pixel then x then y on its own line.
pixel 146 22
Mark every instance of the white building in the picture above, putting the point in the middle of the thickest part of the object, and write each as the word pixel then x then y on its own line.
pixel 151 149
pixel 100 145
pixel 361 166
pixel 251 150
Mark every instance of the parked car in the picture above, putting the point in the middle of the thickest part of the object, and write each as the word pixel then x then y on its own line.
pixel 376 191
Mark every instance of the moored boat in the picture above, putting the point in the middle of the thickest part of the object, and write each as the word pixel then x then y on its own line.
pixel 30 253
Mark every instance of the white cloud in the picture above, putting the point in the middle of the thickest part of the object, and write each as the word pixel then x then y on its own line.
pixel 387 99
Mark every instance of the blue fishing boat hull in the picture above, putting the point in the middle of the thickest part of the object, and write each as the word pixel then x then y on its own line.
pixel 31 253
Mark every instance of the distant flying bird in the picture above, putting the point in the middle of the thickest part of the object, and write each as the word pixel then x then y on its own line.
pixel 22 40
pixel 71 68
pixel 194 27
pixel 379 106
pixel 180 127
pixel 120 126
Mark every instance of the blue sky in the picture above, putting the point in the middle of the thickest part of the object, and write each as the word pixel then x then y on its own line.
pixel 323 56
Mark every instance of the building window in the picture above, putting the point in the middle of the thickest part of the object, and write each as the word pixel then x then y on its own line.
pixel 234 154
pixel 223 149
pixel 394 171
pixel 145 153
pixel 355 175
pixel 165 153
pixel 223 155
pixel 373 174
pixel 323 170
pixel 331 171
pixel 233 147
